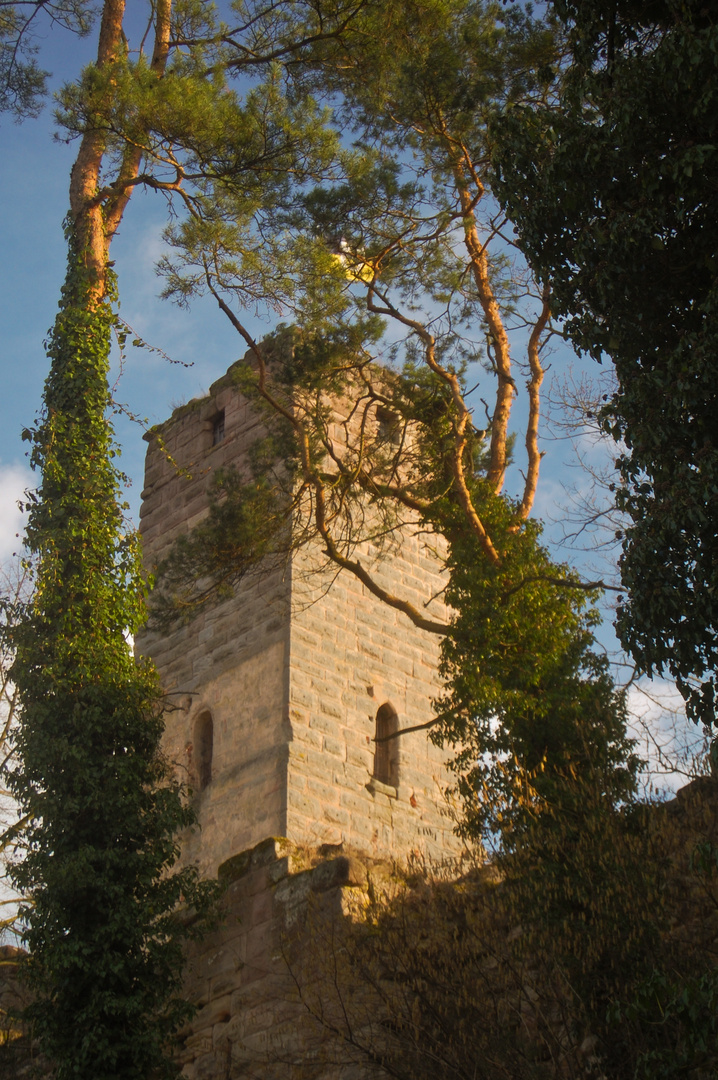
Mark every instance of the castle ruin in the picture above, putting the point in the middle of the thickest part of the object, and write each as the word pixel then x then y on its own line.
pixel 276 699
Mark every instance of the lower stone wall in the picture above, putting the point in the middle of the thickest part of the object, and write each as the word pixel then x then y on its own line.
pixel 273 980
pixel 17 1059
pixel 266 1007
pixel 274 988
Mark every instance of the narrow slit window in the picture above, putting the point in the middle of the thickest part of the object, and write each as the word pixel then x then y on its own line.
pixel 388 428
pixel 203 749
pixel 218 429
pixel 386 748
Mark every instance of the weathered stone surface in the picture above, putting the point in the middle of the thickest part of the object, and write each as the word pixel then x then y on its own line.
pixel 292 673
pixel 290 903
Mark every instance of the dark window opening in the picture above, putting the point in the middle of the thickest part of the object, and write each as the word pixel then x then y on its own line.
pixel 203 746
pixel 218 429
pixel 386 749
pixel 388 427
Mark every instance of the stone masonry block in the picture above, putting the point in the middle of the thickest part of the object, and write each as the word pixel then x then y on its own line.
pixel 356 755
pixel 324 722
pixel 299 697
pixel 326 793
pixel 306 735
pixel 336 816
pixel 334 747
pixel 359 805
pixel 309 807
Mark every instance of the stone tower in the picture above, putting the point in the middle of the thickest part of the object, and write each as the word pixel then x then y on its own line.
pixel 277 694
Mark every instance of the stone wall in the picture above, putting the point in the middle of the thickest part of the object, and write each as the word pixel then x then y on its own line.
pixel 230 661
pixel 279 926
pixel 350 655
pixel 279 1001
pixel 276 1000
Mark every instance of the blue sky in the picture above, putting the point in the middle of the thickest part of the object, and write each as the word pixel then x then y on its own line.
pixel 34 170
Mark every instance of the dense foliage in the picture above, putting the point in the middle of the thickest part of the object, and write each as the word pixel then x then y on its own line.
pixel 610 186
pixel 536 724
pixel 593 957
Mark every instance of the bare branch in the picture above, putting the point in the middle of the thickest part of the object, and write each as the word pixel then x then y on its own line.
pixel 532 426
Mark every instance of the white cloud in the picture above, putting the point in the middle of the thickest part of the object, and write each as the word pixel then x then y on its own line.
pixel 14 480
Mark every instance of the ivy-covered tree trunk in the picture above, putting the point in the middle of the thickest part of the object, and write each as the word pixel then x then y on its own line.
pixel 102 930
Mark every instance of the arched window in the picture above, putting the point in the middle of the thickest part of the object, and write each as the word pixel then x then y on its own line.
pixel 203 740
pixel 386 749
